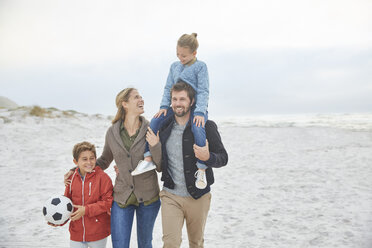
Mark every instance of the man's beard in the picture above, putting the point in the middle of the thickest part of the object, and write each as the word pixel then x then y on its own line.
pixel 183 113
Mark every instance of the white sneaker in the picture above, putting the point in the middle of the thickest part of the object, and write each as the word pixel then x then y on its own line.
pixel 142 167
pixel 201 179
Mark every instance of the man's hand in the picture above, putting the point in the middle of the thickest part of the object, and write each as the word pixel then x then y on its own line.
pixel 202 153
pixel 80 212
pixel 161 111
pixel 66 181
pixel 151 138
pixel 198 120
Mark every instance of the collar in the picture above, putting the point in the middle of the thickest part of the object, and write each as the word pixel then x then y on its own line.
pixel 116 130
pixel 172 121
pixel 191 62
pixel 78 170
pixel 122 128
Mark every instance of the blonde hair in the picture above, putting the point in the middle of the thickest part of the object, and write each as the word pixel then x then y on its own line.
pixel 82 147
pixel 190 41
pixel 122 96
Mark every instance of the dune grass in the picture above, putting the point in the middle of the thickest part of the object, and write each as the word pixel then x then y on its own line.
pixel 40 112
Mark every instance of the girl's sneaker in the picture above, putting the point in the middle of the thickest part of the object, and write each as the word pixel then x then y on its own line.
pixel 201 179
pixel 142 167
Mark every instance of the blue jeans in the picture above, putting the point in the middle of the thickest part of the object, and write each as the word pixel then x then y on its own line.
pixel 122 221
pixel 199 132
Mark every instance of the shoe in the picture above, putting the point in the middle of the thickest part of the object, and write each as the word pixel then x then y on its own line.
pixel 201 179
pixel 142 167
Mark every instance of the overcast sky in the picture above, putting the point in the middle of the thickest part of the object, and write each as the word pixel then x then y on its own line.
pixel 264 57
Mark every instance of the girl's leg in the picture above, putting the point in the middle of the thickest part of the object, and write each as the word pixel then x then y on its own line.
pixel 200 140
pixel 121 225
pixel 155 125
pixel 199 137
pixel 98 244
pixel 146 216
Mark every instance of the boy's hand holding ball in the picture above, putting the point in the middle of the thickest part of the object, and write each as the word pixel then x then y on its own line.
pixel 54 225
pixel 80 212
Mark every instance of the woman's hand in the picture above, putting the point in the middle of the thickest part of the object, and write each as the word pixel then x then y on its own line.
pixel 66 181
pixel 151 138
pixel 198 120
pixel 202 153
pixel 80 212
pixel 161 111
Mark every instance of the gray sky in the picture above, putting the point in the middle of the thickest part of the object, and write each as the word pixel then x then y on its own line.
pixel 264 57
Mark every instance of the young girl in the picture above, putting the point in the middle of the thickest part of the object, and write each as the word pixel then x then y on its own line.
pixel 195 73
pixel 90 191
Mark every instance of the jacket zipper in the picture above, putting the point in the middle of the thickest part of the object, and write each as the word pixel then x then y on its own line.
pixel 82 193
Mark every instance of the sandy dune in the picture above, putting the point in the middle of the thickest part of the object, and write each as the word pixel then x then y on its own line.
pixel 7 103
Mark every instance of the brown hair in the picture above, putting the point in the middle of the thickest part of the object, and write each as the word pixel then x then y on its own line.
pixel 182 86
pixel 82 147
pixel 190 41
pixel 122 96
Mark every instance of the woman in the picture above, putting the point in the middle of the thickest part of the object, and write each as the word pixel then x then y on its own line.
pixel 125 143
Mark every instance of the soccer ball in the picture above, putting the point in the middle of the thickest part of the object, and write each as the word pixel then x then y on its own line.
pixel 57 209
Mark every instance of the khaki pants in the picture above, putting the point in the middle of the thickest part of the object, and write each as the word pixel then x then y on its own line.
pixel 174 210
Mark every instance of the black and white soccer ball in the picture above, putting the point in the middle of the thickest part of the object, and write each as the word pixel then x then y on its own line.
pixel 57 209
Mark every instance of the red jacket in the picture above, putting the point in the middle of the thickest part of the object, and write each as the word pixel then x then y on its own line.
pixel 97 199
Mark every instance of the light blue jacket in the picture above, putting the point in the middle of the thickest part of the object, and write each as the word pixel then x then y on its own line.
pixel 197 76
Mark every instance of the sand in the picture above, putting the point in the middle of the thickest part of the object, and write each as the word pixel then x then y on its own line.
pixel 291 181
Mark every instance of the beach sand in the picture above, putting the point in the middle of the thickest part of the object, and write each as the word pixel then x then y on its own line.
pixel 298 184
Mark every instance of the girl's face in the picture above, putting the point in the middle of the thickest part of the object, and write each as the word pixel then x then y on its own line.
pixel 135 103
pixel 185 55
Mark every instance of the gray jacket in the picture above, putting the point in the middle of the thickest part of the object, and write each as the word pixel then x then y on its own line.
pixel 145 186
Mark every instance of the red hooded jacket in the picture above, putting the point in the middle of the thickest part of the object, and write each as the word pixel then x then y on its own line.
pixel 95 194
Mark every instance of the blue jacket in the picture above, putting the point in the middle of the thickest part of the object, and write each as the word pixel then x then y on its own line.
pixel 218 156
pixel 197 76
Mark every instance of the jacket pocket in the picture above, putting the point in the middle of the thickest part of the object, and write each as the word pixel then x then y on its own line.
pixel 98 224
pixel 150 181
pixel 119 187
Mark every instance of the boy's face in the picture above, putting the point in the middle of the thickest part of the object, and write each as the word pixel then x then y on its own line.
pixel 185 55
pixel 86 162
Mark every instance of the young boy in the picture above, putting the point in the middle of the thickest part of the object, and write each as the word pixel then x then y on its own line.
pixel 90 191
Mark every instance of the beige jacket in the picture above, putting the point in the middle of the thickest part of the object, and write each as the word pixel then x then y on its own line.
pixel 145 186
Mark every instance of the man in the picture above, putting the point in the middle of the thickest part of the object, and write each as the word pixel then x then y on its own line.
pixel 181 199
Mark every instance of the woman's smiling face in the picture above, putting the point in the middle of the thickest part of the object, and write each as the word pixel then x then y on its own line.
pixel 135 103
